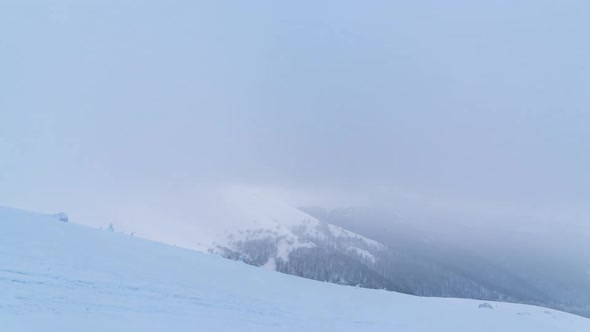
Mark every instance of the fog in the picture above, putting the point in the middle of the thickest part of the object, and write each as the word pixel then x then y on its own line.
pixel 461 111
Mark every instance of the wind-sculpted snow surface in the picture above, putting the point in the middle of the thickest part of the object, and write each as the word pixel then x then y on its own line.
pixel 57 276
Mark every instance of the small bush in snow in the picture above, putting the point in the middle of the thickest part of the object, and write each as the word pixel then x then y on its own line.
pixel 62 217
pixel 485 306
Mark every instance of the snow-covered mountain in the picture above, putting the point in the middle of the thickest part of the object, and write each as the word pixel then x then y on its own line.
pixel 251 226
pixel 259 229
pixel 480 261
pixel 59 276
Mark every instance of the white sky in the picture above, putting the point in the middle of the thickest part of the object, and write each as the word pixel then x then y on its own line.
pixel 106 106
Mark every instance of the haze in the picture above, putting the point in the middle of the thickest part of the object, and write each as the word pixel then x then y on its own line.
pixel 468 108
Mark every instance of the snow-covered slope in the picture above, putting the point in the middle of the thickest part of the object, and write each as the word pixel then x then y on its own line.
pixel 261 230
pixel 225 217
pixel 248 214
pixel 251 225
pixel 58 276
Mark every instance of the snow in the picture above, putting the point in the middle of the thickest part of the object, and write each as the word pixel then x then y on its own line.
pixel 271 264
pixel 343 233
pixel 57 276
pixel 249 214
pixel 284 248
pixel 365 254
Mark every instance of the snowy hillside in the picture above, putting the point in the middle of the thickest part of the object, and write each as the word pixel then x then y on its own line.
pixel 251 215
pixel 249 225
pixel 59 276
pixel 468 262
pixel 254 227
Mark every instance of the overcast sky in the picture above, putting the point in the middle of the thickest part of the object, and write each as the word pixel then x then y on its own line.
pixel 472 103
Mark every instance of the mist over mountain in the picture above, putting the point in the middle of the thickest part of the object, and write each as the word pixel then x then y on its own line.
pixel 56 275
pixel 517 267
pixel 432 148
pixel 388 249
